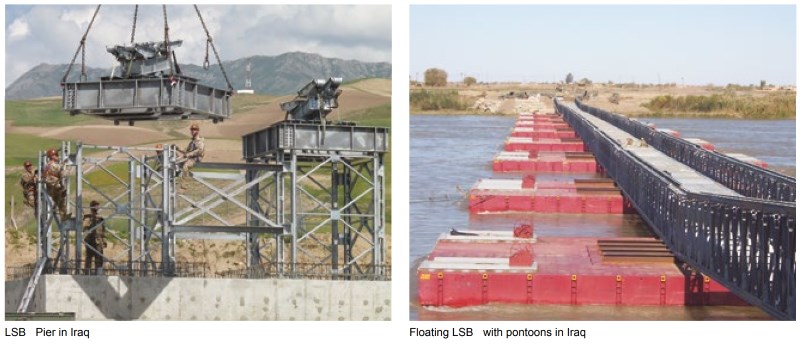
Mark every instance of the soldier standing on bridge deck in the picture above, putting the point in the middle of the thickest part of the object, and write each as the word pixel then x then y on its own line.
pixel 95 239
pixel 53 174
pixel 28 182
pixel 194 152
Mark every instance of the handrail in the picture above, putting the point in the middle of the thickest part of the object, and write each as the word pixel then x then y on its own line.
pixel 744 178
pixel 747 244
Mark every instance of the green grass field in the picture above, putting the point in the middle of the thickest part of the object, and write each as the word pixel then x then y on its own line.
pixel 21 147
pixel 41 113
pixel 378 116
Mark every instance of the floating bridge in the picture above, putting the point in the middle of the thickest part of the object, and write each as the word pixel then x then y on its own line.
pixel 732 221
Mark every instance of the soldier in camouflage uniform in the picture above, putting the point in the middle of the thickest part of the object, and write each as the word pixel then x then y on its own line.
pixel 95 239
pixel 53 174
pixel 28 182
pixel 194 152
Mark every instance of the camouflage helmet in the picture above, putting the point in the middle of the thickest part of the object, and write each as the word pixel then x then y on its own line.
pixel 94 204
pixel 27 164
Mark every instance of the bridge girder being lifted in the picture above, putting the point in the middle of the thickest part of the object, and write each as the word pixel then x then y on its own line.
pixel 150 85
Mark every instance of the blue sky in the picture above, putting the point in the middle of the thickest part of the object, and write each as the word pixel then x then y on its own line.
pixel 50 34
pixel 701 44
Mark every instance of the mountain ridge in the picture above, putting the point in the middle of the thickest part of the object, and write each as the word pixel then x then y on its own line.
pixel 277 75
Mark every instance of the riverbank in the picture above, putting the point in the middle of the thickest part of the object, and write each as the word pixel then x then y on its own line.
pixel 634 100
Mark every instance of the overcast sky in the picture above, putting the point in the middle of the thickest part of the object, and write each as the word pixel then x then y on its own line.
pixel 50 34
pixel 697 44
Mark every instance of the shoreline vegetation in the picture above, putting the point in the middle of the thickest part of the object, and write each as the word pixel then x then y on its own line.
pixel 728 105
pixel 655 101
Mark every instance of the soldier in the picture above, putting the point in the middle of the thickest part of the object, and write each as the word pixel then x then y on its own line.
pixel 95 239
pixel 194 152
pixel 28 182
pixel 158 157
pixel 53 174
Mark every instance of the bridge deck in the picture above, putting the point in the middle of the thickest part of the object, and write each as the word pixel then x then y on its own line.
pixel 689 179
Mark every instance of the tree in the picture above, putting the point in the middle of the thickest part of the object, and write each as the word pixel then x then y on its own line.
pixel 585 81
pixel 435 77
pixel 569 78
pixel 762 85
pixel 469 81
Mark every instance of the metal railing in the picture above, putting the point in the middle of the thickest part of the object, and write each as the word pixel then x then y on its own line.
pixel 747 244
pixel 744 178
pixel 202 270
pixel 311 271
pixel 19 272
pixel 132 269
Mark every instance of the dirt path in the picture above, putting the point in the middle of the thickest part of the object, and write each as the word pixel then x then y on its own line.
pixel 11 129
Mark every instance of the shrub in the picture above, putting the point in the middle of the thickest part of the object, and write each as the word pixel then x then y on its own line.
pixel 469 81
pixel 431 100
pixel 773 106
pixel 435 77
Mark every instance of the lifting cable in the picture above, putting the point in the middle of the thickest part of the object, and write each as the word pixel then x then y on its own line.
pixel 166 41
pixel 133 27
pixel 210 42
pixel 82 50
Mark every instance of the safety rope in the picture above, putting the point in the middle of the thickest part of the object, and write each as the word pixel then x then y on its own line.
pixel 81 48
pixel 210 42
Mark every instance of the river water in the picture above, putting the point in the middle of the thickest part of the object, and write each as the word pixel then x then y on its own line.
pixel 774 142
pixel 451 153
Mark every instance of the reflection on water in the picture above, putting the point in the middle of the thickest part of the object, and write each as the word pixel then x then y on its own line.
pixel 450 153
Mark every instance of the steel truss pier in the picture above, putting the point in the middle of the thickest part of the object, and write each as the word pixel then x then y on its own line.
pixel 316 201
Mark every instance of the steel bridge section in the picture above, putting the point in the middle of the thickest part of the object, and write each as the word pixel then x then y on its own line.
pixel 747 244
pixel 330 198
pixel 147 99
pixel 297 207
pixel 144 210
pixel 746 179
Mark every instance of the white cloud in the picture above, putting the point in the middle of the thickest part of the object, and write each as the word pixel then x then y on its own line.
pixel 18 29
pixel 53 32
